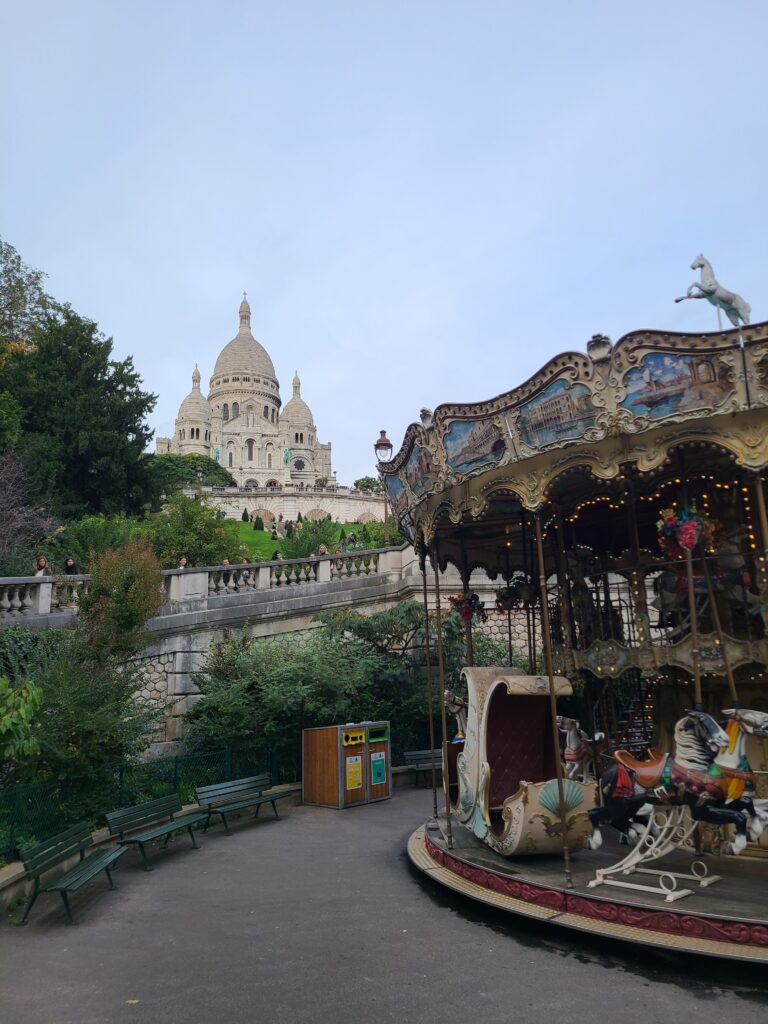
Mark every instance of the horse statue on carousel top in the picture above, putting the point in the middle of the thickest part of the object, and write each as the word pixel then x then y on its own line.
pixel 734 307
pixel 708 773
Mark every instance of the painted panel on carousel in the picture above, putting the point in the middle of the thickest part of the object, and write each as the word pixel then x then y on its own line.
pixel 396 491
pixel 664 384
pixel 419 471
pixel 470 444
pixel 561 412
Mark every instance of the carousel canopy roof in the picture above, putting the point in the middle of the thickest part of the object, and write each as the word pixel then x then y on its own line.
pixel 583 430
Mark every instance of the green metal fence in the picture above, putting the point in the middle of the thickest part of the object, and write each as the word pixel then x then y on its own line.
pixel 33 812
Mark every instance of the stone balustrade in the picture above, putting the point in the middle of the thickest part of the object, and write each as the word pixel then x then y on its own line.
pixel 25 596
pixel 57 598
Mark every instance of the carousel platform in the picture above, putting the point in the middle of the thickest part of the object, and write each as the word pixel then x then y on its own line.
pixel 728 919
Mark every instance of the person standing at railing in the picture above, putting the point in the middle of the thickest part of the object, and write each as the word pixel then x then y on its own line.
pixel 183 563
pixel 42 568
pixel 70 568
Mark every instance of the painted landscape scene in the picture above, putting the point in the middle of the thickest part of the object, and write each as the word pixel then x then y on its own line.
pixel 664 384
pixel 560 412
pixel 472 443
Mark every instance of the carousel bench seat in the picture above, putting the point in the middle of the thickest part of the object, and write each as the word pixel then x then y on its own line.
pixel 421 761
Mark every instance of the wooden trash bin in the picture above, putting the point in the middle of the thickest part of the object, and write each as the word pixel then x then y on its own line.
pixel 346 765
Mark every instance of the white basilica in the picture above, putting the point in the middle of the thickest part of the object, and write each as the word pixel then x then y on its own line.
pixel 240 424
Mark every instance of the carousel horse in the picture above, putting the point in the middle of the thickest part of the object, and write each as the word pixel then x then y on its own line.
pixel 708 773
pixel 458 707
pixel 580 749
pixel 709 288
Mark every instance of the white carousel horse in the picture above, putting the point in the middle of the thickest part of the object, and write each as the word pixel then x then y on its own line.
pixel 708 773
pixel 458 707
pixel 734 307
pixel 580 749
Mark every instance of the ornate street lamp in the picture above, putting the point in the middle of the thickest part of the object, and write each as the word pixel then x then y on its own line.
pixel 383 448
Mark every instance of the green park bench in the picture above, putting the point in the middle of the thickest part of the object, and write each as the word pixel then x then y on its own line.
pixel 150 817
pixel 421 761
pixel 226 797
pixel 39 860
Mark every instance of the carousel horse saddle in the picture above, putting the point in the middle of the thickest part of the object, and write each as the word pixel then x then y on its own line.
pixel 648 773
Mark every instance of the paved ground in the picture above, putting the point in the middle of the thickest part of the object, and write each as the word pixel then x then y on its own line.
pixel 318 917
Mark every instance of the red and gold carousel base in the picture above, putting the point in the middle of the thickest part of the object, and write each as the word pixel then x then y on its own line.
pixel 727 920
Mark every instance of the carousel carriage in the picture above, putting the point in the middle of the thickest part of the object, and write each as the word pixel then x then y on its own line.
pixel 615 500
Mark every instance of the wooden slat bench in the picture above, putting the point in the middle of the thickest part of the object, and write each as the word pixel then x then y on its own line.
pixel 152 814
pixel 226 797
pixel 48 855
pixel 421 761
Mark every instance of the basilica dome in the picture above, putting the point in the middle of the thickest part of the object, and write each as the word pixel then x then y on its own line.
pixel 296 411
pixel 195 406
pixel 244 354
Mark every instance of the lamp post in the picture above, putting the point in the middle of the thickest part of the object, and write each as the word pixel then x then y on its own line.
pixel 199 475
pixel 383 448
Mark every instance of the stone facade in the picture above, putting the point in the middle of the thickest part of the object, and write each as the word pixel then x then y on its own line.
pixel 241 424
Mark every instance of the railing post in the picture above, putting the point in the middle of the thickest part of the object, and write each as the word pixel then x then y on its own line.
pixel 324 571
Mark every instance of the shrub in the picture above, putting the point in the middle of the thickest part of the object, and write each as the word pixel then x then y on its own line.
pixel 87 538
pixel 308 539
pixel 126 590
pixel 193 528
pixel 245 517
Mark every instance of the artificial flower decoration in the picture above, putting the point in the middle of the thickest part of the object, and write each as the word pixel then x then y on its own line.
pixel 679 532
pixel 468 606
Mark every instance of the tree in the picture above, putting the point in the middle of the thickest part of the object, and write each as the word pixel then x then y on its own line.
pixel 170 473
pixel 23 303
pixel 83 419
pixel 307 540
pixel 321 481
pixel 89 537
pixel 23 526
pixel 368 483
pixel 23 300
pixel 244 517
pixel 193 528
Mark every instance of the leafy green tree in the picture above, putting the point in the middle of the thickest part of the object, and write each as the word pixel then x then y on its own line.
pixel 321 481
pixel 170 473
pixel 267 691
pixel 23 300
pixel 18 707
pixel 245 517
pixel 307 540
pixel 83 428
pixel 86 538
pixel 368 483
pixel 376 533
pixel 258 523
pixel 299 518
pixel 186 526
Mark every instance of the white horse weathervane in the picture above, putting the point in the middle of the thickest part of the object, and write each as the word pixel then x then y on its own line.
pixel 736 309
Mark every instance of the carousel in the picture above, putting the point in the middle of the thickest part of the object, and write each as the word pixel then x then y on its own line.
pixel 612 777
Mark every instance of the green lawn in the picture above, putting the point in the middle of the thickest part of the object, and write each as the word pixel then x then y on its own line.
pixel 261 545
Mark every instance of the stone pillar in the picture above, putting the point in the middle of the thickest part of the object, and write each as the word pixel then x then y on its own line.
pixel 324 570
pixel 40 596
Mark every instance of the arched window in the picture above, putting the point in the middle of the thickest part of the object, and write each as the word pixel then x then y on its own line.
pixel 235 409
pixel 249 450
pixel 230 459
pixel 273 415
pixel 266 412
pixel 269 460
pixel 301 437
pixel 225 411
pixel 296 437
pixel 181 433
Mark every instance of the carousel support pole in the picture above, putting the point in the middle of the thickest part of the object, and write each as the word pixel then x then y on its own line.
pixel 430 698
pixel 443 719
pixel 719 631
pixel 694 633
pixel 762 519
pixel 529 616
pixel 470 651
pixel 547 644
pixel 509 615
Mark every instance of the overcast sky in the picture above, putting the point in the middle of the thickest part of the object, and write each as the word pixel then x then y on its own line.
pixel 425 201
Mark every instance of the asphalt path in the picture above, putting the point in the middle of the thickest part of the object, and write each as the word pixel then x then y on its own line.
pixel 319 917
